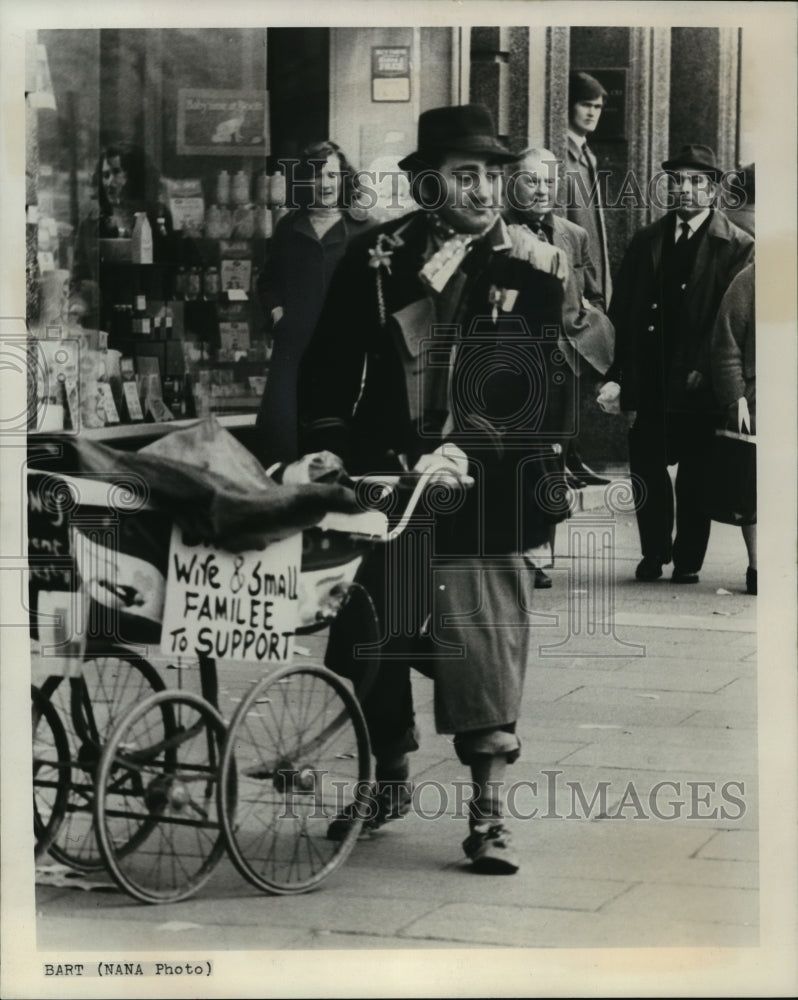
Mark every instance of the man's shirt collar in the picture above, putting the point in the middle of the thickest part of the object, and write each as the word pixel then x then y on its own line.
pixel 693 223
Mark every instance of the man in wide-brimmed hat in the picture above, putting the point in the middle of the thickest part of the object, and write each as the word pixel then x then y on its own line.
pixel 437 344
pixel 667 294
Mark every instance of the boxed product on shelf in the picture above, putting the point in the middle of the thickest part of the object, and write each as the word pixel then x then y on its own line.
pixel 186 204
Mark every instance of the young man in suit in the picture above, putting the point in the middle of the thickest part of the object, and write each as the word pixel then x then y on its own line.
pixel 667 294
pixel 582 188
pixel 438 342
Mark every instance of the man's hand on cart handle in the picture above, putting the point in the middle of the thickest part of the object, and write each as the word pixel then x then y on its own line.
pixel 446 463
pixel 316 467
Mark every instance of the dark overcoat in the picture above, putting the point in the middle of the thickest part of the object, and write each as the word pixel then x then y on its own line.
pixel 294 276
pixel 371 390
pixel 640 313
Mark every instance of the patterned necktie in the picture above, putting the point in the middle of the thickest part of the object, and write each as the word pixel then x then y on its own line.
pixel 536 225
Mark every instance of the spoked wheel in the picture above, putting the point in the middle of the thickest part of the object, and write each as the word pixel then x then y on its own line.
pixel 297 752
pixel 89 706
pixel 51 771
pixel 162 780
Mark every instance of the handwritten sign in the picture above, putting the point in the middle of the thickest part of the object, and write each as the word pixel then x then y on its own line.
pixel 390 73
pixel 231 606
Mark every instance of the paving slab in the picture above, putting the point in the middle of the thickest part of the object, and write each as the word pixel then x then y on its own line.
pixel 681 903
pixel 526 927
pixel 731 845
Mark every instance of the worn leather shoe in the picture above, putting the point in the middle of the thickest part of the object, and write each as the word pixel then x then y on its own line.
pixel 388 800
pixel 489 850
pixel 750 581
pixel 679 576
pixel 648 569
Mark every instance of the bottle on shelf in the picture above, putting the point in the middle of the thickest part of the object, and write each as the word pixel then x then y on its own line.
pixel 193 288
pixel 141 248
pixel 214 226
pixel 241 188
pixel 277 190
pixel 167 323
pixel 223 188
pixel 263 221
pixel 262 189
pixel 211 283
pixel 181 278
pixel 142 324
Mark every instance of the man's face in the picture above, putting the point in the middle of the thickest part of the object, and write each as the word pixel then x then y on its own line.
pixel 472 186
pixel 691 191
pixel 585 115
pixel 534 183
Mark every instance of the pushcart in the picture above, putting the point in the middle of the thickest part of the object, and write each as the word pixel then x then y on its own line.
pixel 150 783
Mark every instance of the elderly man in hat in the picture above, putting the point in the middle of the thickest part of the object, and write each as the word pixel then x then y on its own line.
pixel 438 344
pixel 667 294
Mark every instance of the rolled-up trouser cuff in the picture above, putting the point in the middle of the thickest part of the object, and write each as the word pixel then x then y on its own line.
pixel 389 749
pixel 490 742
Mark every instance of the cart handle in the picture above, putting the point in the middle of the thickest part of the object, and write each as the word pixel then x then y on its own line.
pixel 421 482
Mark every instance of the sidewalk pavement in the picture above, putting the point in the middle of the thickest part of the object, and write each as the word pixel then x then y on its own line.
pixel 658 686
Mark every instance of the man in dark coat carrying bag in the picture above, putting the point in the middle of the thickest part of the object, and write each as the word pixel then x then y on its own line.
pixel 438 343
pixel 673 277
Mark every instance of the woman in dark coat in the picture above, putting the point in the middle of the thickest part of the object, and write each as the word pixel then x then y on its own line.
pixel 304 252
pixel 734 375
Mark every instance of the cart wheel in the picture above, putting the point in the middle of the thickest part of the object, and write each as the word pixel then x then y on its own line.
pixel 296 753
pixel 161 780
pixel 51 771
pixel 90 705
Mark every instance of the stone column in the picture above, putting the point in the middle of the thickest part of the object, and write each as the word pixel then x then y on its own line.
pixel 704 90
pixel 648 111
pixel 558 59
pixel 728 140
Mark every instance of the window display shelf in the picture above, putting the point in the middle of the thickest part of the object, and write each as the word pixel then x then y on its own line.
pixel 117 432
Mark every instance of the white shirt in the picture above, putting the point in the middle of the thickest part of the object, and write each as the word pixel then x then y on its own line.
pixel 580 140
pixel 693 224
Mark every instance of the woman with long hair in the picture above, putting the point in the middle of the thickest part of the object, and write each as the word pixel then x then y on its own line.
pixel 125 183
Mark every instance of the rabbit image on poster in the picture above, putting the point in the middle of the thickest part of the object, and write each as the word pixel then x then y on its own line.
pixel 229 131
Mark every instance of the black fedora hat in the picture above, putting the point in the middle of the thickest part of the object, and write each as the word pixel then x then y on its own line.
pixel 694 157
pixel 464 128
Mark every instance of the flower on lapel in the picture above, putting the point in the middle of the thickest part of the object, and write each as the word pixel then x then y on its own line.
pixel 380 256
pixel 501 298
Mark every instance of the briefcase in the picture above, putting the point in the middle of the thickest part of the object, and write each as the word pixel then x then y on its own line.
pixel 731 478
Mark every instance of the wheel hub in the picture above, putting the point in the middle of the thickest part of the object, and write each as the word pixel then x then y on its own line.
pixel 165 792
pixel 288 778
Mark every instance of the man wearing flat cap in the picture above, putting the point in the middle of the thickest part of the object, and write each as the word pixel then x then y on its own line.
pixel 667 294
pixel 438 345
